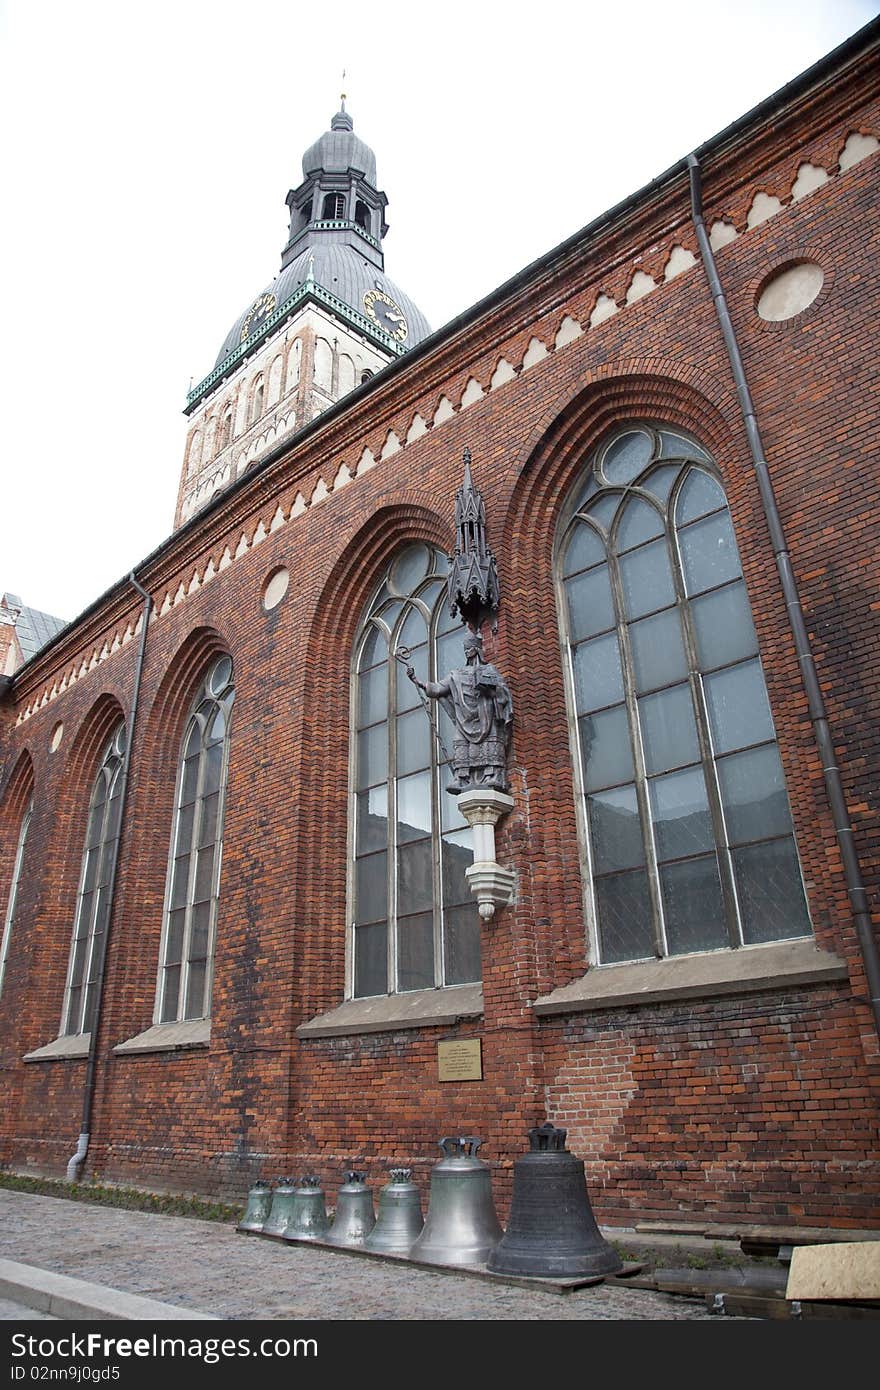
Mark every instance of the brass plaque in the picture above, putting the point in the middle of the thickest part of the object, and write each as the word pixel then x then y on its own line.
pixel 460 1061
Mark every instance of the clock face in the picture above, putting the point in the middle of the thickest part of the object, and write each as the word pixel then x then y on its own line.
pixel 258 311
pixel 381 308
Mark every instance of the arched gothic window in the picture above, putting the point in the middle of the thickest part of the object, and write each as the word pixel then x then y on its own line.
pixel 93 898
pixel 687 830
pixel 415 925
pixel 226 432
pixel 196 843
pixel 13 890
pixel 257 404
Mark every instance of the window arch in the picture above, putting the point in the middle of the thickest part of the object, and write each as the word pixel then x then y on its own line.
pixel 334 206
pixel 688 838
pixel 184 986
pixel 93 897
pixel 12 900
pixel 415 925
pixel 257 400
pixel 226 433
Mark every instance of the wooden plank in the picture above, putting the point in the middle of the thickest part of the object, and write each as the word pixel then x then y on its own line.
pixel 766 1283
pixel 744 1305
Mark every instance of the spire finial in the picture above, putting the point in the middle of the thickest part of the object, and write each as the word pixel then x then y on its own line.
pixel 342 94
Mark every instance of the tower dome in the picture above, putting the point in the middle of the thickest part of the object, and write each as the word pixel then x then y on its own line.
pixel 337 223
pixel 339 149
pixel 329 320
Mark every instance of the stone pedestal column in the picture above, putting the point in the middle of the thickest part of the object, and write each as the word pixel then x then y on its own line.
pixel 491 885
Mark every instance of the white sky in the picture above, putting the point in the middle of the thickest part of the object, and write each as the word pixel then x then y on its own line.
pixel 148 150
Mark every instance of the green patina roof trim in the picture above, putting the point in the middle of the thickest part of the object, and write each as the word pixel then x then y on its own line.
pixel 310 290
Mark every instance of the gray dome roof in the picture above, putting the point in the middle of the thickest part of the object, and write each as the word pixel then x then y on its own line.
pixel 339 149
pixel 345 273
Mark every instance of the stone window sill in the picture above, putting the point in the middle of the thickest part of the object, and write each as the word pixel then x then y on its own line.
pixel 424 1008
pixel 167 1037
pixel 71 1045
pixel 784 965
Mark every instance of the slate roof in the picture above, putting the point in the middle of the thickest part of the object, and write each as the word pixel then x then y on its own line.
pixel 32 628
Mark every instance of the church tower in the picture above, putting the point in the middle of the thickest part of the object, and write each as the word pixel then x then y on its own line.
pixel 328 321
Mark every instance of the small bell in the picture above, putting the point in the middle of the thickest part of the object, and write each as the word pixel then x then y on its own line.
pixel 355 1217
pixel 400 1219
pixel 461 1226
pixel 552 1232
pixel 308 1220
pixel 259 1204
pixel 281 1209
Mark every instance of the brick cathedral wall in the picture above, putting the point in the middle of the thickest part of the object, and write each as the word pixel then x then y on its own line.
pixel 761 1106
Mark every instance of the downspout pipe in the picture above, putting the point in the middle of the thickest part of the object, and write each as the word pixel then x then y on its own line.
pixel 815 700
pixel 78 1158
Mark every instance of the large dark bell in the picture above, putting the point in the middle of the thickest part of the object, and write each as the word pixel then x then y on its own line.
pixel 552 1233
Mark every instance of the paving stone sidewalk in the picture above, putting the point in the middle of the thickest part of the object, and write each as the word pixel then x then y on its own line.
pixel 210 1268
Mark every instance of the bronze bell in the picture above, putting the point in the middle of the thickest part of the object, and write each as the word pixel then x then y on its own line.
pixel 400 1217
pixel 355 1217
pixel 281 1209
pixel 259 1204
pixel 308 1218
pixel 551 1233
pixel 461 1227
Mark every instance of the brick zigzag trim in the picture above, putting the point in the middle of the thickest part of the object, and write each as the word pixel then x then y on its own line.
pixel 763 207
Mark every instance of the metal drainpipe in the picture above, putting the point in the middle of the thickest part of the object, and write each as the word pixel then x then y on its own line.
pixel 74 1166
pixel 852 870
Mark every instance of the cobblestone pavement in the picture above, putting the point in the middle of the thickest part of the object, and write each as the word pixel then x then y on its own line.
pixel 210 1268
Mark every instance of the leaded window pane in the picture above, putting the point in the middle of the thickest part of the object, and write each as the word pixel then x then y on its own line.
pixel 739 712
pixel 646 579
pixel 590 605
pixel 462 945
pixel 372 886
pixel 585 549
pixel 640 522
pixel 597 673
pixel 623 905
pixel 371 959
pixel 373 755
pixel 690 834
pixel 93 900
pixel 196 846
pixel 708 553
pixel 753 795
pixel 415 951
pixel 680 813
pixel 372 819
pixel 723 627
pixel 457 856
pixel 627 456
pixel 617 831
pixel 12 900
pixel 415 876
pixel 413 807
pixel 700 495
pixel 658 651
pixel 693 906
pixel 770 889
pixel 669 730
pixel 373 687
pixel 413 742
pixel 606 748
pixel 406 879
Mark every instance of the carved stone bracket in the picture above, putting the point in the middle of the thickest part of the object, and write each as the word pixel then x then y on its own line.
pixel 491 885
